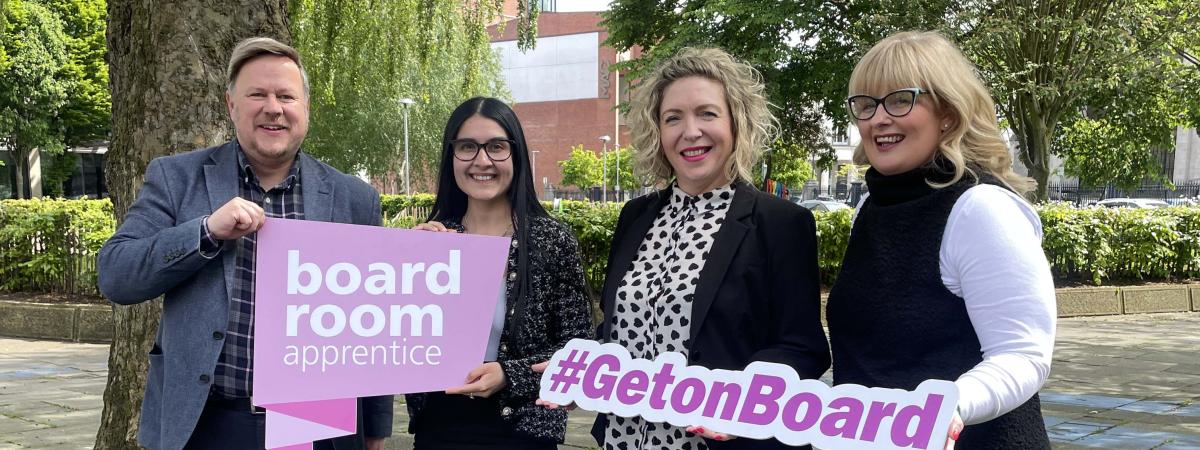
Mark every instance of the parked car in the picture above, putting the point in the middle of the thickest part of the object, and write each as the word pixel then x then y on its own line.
pixel 1181 201
pixel 821 205
pixel 1142 203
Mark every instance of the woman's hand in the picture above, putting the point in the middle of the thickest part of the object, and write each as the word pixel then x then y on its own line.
pixel 540 368
pixel 433 225
pixel 710 434
pixel 956 427
pixel 482 381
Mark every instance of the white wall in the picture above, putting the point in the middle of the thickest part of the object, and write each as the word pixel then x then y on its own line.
pixel 560 68
pixel 1187 155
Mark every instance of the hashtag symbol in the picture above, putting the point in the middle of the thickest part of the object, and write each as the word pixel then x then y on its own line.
pixel 569 372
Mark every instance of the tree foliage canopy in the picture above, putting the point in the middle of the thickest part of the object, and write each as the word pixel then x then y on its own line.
pixel 582 169
pixel 1045 61
pixel 362 60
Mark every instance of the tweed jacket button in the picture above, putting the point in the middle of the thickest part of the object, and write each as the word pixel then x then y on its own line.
pixel 507 411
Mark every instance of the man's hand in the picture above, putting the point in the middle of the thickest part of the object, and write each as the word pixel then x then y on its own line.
pixel 235 219
pixel 375 443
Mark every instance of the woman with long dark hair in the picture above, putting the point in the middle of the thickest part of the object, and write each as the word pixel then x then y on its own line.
pixel 485 187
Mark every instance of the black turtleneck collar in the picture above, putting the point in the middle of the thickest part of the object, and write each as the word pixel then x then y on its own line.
pixel 887 190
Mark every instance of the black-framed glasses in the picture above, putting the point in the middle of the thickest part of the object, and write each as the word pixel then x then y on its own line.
pixel 497 149
pixel 897 104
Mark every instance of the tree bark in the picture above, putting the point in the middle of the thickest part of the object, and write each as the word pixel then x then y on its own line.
pixel 166 64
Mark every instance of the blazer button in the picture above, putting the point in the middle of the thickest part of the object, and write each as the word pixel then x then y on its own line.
pixel 204 379
pixel 512 276
pixel 217 335
pixel 504 347
pixel 514 243
pixel 507 411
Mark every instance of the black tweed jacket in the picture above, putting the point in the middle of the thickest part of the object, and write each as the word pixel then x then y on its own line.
pixel 554 311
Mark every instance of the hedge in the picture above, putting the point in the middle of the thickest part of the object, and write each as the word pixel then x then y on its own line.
pixel 50 245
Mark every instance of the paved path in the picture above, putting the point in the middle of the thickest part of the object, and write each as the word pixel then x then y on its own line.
pixel 1118 382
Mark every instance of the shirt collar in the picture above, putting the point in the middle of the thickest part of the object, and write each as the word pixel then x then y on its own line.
pixel 246 171
pixel 708 201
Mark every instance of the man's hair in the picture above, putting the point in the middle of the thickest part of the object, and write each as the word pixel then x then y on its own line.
pixel 254 47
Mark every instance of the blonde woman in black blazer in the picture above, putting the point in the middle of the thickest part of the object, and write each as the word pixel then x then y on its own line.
pixel 709 267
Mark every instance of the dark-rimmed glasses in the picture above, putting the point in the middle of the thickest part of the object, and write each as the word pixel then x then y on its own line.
pixel 497 149
pixel 897 104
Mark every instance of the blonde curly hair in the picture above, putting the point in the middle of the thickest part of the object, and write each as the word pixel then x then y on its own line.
pixel 753 124
pixel 929 61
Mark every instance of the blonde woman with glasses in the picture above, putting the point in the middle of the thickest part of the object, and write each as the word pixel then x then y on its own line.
pixel 944 276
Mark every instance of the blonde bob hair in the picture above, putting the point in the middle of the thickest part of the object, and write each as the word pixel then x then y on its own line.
pixel 753 124
pixel 928 60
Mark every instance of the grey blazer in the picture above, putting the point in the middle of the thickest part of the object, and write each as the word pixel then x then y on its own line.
pixel 155 253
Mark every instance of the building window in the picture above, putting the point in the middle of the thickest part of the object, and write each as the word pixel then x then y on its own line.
pixel 88 178
pixel 549 6
pixel 840 136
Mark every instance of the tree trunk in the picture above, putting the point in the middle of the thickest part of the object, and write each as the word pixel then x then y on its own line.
pixel 1034 136
pixel 167 64
pixel 21 164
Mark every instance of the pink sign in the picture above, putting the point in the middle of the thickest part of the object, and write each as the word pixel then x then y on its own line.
pixel 346 311
pixel 763 401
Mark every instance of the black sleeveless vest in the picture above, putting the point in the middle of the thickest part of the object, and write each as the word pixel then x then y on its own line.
pixel 892 323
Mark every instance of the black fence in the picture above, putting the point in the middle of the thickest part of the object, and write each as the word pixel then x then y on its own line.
pixel 849 194
pixel 1086 195
pixel 52 260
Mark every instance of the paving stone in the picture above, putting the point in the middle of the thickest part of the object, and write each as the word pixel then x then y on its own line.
pixel 1126 438
pixel 1090 401
pixel 1111 380
pixel 1072 431
pixel 1150 406
pixel 1192 410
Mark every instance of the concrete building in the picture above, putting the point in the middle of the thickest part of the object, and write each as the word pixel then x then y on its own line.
pixel 1187 156
pixel 565 90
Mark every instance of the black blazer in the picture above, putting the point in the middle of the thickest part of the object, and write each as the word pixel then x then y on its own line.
pixel 758 298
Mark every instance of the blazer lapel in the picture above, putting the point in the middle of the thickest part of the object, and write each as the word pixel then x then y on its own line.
pixel 725 246
pixel 633 237
pixel 316 189
pixel 221 180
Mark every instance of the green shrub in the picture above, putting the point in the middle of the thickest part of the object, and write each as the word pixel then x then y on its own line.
pixel 593 225
pixel 833 233
pixel 394 206
pixel 51 245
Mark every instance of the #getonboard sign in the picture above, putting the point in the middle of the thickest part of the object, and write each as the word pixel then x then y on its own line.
pixel 766 400
pixel 346 311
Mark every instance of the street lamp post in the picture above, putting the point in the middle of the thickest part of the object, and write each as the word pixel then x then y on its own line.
pixel 618 152
pixel 604 169
pixel 404 104
pixel 533 169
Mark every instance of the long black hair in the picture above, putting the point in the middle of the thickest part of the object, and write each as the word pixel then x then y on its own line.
pixel 451 201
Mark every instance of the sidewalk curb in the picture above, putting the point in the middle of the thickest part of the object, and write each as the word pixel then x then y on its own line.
pixel 93 323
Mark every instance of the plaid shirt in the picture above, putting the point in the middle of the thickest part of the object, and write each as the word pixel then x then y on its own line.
pixel 233 375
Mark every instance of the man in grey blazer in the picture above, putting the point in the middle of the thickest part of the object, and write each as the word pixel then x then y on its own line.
pixel 190 237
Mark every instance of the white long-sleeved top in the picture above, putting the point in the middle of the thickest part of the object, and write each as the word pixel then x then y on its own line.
pixel 992 257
